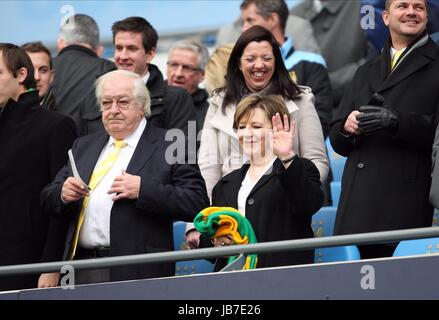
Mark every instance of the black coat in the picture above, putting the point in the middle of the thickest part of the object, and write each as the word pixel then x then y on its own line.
pixel 168 192
pixel 386 179
pixel 279 207
pixel 34 143
pixel 171 107
pixel 76 70
pixel 201 105
pixel 315 76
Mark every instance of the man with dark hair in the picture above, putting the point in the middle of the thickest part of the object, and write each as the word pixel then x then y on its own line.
pixel 385 127
pixel 77 65
pixel 306 68
pixel 43 72
pixel 34 143
pixel 135 42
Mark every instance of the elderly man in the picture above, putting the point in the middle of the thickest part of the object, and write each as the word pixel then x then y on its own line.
pixel 34 144
pixel 186 63
pixel 43 72
pixel 136 191
pixel 385 127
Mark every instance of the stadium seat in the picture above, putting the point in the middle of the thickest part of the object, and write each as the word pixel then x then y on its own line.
pixel 417 247
pixel 192 266
pixel 344 253
pixel 336 162
pixel 323 222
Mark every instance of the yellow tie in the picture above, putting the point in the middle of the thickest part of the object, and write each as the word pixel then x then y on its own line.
pixel 98 173
pixel 395 58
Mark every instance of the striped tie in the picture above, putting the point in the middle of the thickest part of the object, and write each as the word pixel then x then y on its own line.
pixel 99 172
pixel 395 58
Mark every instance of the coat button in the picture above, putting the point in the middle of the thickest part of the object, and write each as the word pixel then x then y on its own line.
pixel 251 201
pixel 360 165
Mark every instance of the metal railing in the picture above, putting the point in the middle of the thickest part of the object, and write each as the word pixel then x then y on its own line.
pixel 265 247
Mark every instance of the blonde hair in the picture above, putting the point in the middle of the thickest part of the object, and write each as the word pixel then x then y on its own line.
pixel 216 68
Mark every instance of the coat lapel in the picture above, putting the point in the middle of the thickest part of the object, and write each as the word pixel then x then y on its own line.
pixel 144 150
pixel 411 64
pixel 232 184
pixel 266 177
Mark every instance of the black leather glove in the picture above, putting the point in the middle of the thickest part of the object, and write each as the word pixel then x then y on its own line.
pixel 374 118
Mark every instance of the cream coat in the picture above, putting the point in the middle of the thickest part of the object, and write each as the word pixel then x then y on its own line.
pixel 219 149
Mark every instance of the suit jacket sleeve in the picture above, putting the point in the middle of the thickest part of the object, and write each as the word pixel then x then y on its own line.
pixel 51 194
pixel 343 144
pixel 416 129
pixel 61 141
pixel 181 199
pixel 302 181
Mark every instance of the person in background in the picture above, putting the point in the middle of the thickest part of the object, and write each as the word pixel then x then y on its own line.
pixel 306 68
pixel 34 143
pixel 77 65
pixel 135 42
pixel 385 127
pixel 337 29
pixel 43 72
pixel 187 60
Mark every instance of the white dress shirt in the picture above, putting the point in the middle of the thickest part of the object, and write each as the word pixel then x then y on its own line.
pixel 247 186
pixel 95 231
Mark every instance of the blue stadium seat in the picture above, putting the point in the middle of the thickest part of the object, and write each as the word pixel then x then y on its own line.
pixel 323 222
pixel 187 267
pixel 335 254
pixel 336 162
pixel 335 192
pixel 417 247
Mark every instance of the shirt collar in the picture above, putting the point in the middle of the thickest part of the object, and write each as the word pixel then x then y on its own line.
pixel 286 47
pixel 133 139
pixel 146 77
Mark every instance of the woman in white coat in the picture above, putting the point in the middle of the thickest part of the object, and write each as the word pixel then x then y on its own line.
pixel 256 66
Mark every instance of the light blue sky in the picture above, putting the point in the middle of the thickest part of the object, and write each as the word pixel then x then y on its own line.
pixel 31 20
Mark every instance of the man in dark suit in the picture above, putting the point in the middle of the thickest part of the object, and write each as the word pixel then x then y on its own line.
pixel 385 126
pixel 135 42
pixel 34 144
pixel 137 188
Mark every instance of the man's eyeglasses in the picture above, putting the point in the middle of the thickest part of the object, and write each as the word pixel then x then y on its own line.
pixel 123 103
pixel 185 68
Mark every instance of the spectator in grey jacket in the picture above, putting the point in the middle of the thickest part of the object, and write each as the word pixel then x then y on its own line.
pixel 77 65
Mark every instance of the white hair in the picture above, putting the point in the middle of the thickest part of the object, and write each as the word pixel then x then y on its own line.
pixel 140 92
pixel 196 47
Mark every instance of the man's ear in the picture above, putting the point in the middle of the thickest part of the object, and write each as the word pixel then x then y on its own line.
pixel 61 44
pixel 273 21
pixel 99 50
pixel 386 17
pixel 150 55
pixel 52 76
pixel 22 75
